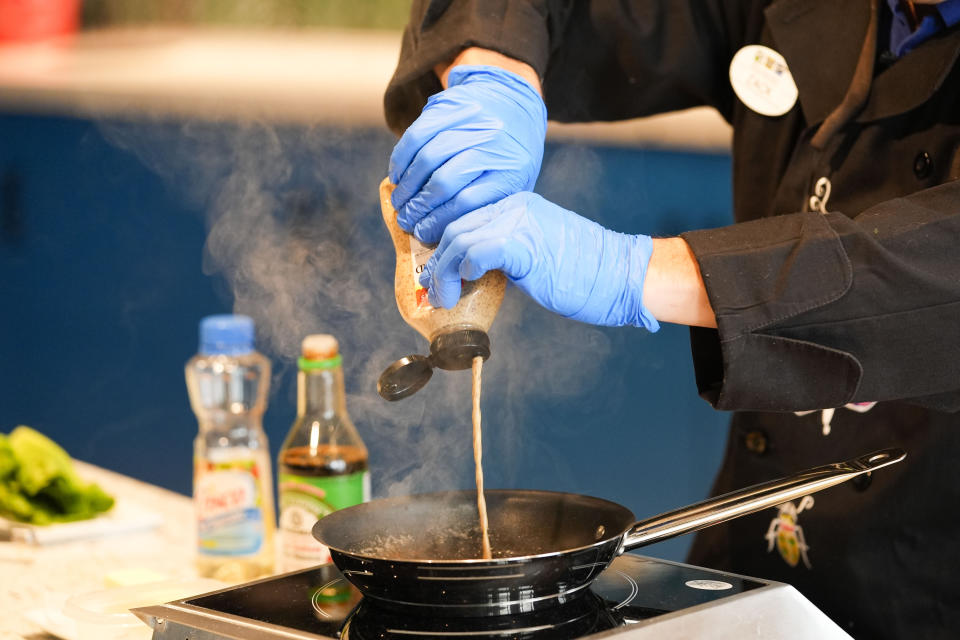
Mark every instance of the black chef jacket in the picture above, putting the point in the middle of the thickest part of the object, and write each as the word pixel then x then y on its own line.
pixel 814 310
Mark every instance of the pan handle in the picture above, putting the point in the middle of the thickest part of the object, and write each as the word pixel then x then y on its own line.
pixel 756 498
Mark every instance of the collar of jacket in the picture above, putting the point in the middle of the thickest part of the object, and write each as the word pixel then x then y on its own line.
pixel 821 39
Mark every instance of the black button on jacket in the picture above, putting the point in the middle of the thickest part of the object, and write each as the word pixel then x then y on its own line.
pixel 815 309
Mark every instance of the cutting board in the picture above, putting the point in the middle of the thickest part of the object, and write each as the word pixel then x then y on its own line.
pixel 124 517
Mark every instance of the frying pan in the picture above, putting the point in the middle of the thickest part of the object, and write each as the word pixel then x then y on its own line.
pixel 421 552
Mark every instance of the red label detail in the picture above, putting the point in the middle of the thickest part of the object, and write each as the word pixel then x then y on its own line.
pixel 421 296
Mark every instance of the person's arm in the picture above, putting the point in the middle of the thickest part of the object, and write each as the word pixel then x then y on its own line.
pixel 819 310
pixel 438 31
pixel 571 265
pixel 475 67
pixel 480 56
pixel 673 290
pixel 812 310
pixel 596 60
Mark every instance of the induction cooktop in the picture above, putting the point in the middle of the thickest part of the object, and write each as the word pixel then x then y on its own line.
pixel 318 603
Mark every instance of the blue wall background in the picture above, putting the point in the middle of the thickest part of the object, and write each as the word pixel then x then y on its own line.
pixel 103 278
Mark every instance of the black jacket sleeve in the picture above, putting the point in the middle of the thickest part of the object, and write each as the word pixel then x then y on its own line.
pixel 598 60
pixel 439 29
pixel 815 311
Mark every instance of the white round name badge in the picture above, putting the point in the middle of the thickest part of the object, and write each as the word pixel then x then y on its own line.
pixel 761 79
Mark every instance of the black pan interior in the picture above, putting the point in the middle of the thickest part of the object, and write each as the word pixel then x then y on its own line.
pixel 445 526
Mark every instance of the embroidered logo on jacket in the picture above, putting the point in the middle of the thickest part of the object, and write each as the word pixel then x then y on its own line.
pixel 826 415
pixel 787 534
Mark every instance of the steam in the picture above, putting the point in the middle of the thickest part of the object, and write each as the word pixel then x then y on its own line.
pixel 296 235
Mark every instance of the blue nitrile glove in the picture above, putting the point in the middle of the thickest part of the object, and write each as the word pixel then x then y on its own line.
pixel 567 263
pixel 479 140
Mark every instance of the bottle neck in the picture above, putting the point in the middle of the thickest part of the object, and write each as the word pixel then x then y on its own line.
pixel 228 392
pixel 321 392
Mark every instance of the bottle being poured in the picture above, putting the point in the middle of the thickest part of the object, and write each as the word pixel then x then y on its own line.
pixel 458 336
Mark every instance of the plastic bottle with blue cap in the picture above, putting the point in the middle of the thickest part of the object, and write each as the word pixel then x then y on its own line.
pixel 228 382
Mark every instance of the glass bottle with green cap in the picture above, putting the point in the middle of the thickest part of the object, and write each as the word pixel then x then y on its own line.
pixel 323 462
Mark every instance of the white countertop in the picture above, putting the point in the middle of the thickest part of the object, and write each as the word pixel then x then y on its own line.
pixel 302 76
pixel 39 576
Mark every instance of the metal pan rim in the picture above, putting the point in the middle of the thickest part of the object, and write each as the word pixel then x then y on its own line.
pixel 607 539
pixel 470 561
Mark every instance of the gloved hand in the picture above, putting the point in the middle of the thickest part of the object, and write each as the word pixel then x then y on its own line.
pixel 568 264
pixel 479 140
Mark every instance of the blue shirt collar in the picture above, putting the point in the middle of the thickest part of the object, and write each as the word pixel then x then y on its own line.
pixel 904 39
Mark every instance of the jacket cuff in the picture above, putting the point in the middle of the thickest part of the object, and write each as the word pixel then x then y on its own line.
pixel 438 30
pixel 757 275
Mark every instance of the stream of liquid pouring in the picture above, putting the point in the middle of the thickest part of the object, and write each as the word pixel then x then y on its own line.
pixel 478 458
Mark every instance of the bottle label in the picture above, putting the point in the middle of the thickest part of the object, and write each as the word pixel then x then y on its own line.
pixel 419 255
pixel 229 508
pixel 303 501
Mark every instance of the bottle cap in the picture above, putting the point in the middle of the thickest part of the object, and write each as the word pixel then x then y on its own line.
pixel 319 351
pixel 454 350
pixel 319 346
pixel 226 335
pixel 404 377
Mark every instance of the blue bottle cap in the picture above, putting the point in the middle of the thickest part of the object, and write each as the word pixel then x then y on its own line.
pixel 226 334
